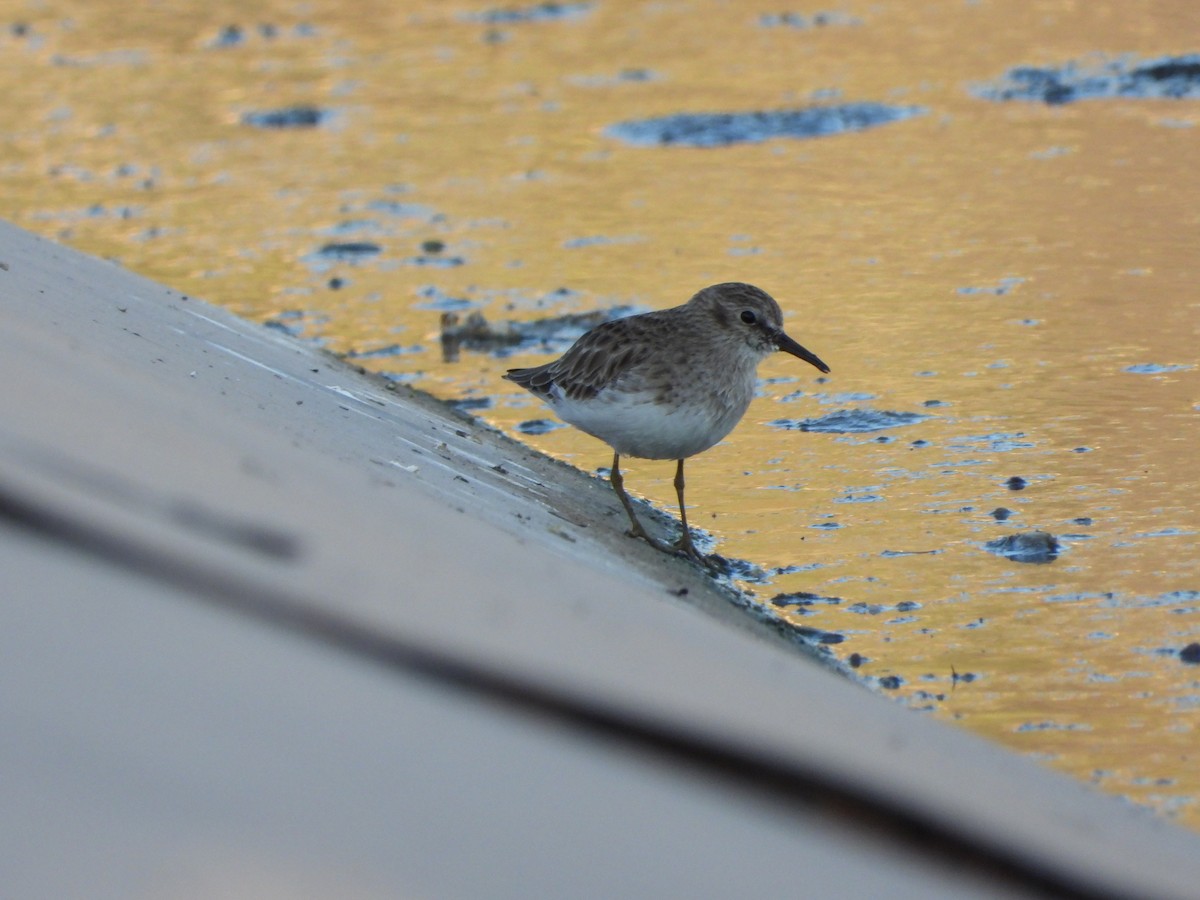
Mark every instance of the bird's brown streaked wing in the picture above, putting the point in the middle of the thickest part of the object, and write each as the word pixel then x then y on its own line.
pixel 600 357
pixel 591 364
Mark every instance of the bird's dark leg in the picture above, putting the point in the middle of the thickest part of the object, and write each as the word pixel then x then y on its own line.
pixel 636 529
pixel 685 540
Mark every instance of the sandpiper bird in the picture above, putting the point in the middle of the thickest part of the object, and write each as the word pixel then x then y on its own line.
pixel 666 384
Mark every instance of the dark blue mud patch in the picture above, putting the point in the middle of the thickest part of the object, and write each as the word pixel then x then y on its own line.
pixel 866 495
pixel 817 636
pixel 1185 602
pixel 348 250
pixel 238 35
pixel 335 252
pixel 875 609
pixel 1026 547
pixel 801 21
pixel 539 426
pixel 1162 532
pixel 824 399
pixel 998 442
pixel 1169 77
pixel 434 261
pixel 1052 726
pixel 624 76
pixel 539 12
pixel 288 117
pixel 601 240
pixel 1156 368
pixel 353 226
pixel 737 569
pixel 1004 286
pixel 471 404
pixel 851 421
pixel 723 129
pixel 229 36
pixel 95 211
pixel 404 210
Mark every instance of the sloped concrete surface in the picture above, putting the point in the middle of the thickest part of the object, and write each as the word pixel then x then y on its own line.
pixel 271 627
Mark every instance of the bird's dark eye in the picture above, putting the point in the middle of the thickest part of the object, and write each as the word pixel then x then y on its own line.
pixel 749 317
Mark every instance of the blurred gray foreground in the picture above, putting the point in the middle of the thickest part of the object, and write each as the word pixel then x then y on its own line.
pixel 269 629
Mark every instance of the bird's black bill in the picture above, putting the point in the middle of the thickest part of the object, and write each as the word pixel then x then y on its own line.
pixel 787 345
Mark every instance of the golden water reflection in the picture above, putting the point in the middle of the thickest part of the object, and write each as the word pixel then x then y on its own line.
pixel 1007 269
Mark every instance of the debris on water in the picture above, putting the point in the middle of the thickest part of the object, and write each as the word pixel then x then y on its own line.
pixel 553 334
pixel 851 421
pixel 475 333
pixel 798 601
pixel 1026 547
pixel 724 128
pixel 1169 77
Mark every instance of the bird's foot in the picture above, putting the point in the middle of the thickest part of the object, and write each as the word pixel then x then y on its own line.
pixel 684 547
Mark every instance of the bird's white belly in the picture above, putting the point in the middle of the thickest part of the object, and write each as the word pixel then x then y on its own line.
pixel 634 425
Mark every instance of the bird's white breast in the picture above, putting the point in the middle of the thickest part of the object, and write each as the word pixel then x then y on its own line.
pixel 634 425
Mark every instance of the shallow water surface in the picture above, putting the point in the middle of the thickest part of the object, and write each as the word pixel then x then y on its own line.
pixel 1002 280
